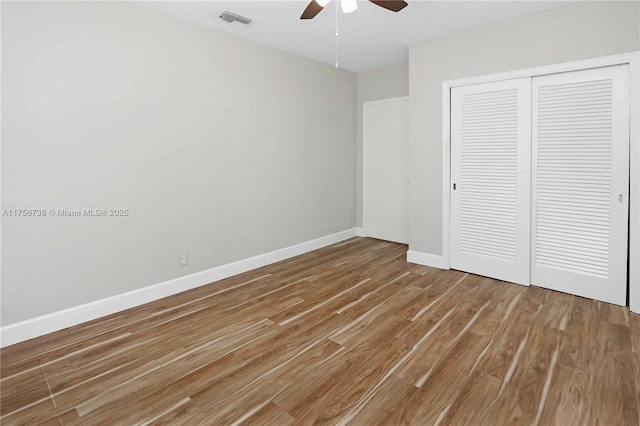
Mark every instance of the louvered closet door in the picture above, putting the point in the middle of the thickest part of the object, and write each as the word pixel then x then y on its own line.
pixel 580 182
pixel 490 171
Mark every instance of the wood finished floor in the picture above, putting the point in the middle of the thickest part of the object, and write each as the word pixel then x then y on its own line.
pixel 349 334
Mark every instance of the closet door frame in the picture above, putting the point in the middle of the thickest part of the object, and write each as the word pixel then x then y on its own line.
pixel 632 59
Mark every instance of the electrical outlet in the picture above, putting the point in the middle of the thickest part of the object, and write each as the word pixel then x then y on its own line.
pixel 183 258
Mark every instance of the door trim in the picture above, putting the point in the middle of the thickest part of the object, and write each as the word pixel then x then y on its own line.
pixel 630 58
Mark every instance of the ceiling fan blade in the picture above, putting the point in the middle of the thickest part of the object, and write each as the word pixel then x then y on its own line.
pixel 392 5
pixel 312 10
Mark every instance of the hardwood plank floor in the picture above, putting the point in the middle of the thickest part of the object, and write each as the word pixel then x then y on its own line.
pixel 349 334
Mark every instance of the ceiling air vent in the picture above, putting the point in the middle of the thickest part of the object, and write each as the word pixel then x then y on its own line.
pixel 233 18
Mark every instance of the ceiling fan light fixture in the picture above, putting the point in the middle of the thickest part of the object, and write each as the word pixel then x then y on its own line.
pixel 348 6
pixel 316 6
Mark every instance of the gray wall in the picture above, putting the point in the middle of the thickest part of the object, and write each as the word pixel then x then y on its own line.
pixel 382 83
pixel 578 31
pixel 217 146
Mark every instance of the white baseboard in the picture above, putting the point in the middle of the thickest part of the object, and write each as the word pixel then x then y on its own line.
pixel 39 326
pixel 426 259
pixel 360 232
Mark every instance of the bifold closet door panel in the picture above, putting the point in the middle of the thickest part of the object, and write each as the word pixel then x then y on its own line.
pixel 580 176
pixel 490 176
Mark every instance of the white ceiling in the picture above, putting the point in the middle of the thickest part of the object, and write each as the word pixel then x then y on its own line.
pixel 370 37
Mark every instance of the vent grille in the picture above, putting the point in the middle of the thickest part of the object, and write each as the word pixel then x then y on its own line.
pixel 233 18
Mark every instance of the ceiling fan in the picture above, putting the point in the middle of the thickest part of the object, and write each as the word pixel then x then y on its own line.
pixel 348 6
